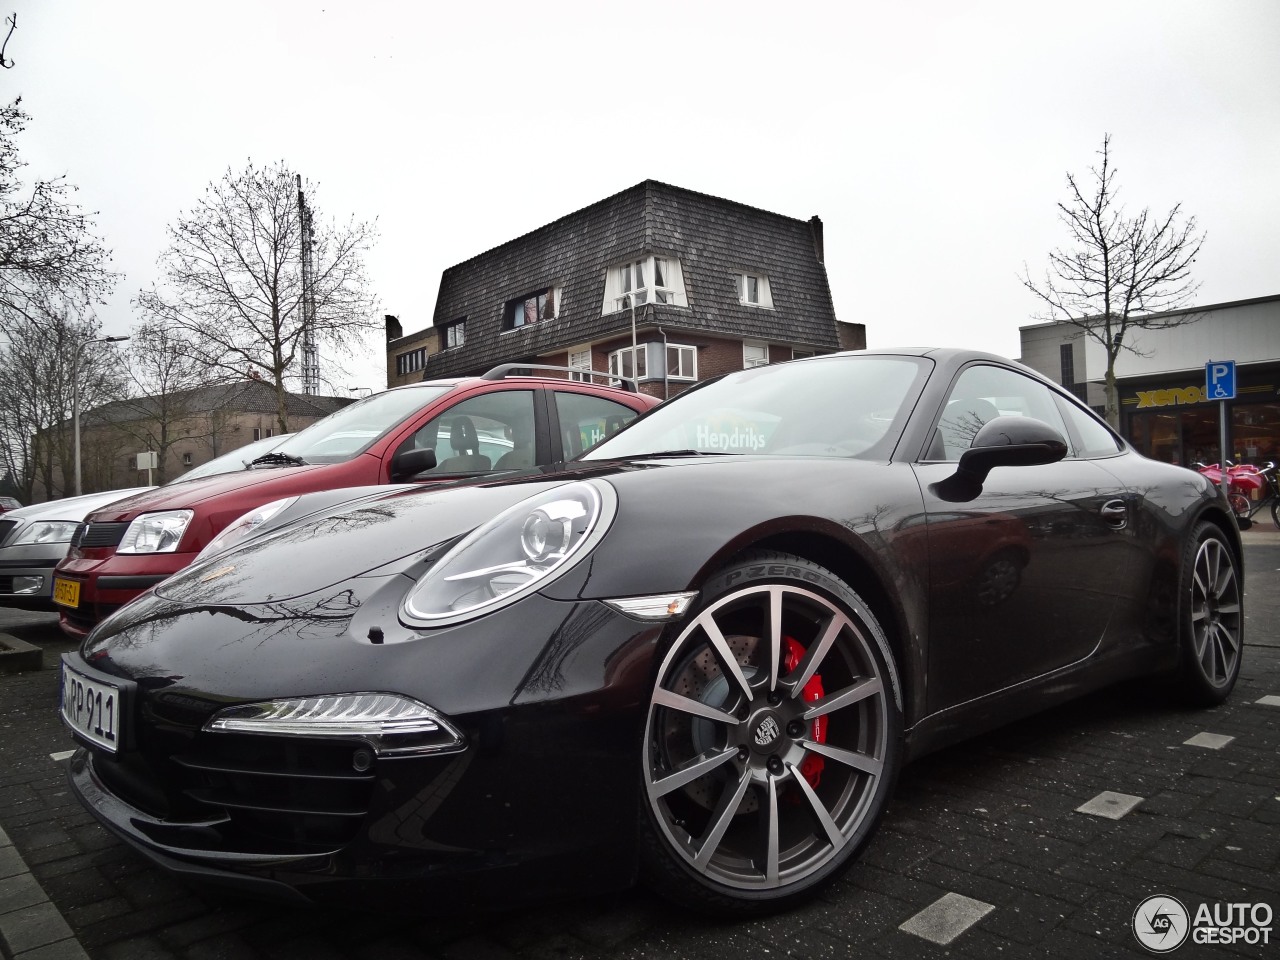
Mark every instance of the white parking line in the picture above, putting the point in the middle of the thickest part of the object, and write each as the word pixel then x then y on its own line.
pixel 1210 741
pixel 1111 805
pixel 1270 700
pixel 946 918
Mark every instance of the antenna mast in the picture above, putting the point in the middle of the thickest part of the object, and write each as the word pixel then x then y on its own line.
pixel 310 356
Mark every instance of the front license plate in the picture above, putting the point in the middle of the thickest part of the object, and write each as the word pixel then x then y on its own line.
pixel 91 708
pixel 66 592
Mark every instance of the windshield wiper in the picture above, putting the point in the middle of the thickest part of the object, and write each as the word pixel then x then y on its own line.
pixel 279 458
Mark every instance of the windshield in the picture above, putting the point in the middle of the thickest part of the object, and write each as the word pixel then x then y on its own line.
pixel 838 406
pixel 342 435
pixel 237 459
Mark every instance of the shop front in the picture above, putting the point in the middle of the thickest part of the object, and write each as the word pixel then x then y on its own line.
pixel 1171 418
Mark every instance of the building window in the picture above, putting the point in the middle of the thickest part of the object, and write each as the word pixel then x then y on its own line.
pixel 259 433
pixel 453 335
pixel 753 290
pixel 186 459
pixel 411 362
pixel 801 354
pixel 647 280
pixel 580 360
pixel 628 363
pixel 532 308
pixel 754 355
pixel 1067 359
pixel 682 362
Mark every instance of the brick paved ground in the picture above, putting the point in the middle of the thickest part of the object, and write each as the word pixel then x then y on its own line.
pixel 993 819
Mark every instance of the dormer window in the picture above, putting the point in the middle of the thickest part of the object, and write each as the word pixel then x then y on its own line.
pixel 753 290
pixel 453 335
pixel 647 280
pixel 532 308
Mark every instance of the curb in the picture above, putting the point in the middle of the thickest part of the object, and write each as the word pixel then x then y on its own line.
pixel 18 656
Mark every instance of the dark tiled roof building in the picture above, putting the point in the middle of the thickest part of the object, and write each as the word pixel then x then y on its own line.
pixel 714 285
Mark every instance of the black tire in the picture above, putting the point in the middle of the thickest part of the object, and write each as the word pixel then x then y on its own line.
pixel 1275 512
pixel 1210 618
pixel 733 820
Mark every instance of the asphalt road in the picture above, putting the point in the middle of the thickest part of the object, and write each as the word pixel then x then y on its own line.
pixel 993 820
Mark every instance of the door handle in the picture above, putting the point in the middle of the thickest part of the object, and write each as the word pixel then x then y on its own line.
pixel 1116 514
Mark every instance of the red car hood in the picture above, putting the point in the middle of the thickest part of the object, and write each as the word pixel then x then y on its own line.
pixel 187 495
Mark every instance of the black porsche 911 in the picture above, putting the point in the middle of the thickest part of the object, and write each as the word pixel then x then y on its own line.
pixel 698 655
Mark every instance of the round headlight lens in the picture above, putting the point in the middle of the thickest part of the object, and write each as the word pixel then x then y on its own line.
pixel 514 554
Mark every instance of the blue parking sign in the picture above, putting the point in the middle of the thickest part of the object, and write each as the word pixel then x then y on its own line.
pixel 1220 379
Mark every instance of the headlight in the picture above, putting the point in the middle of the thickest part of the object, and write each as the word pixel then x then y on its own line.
pixel 48 531
pixel 242 527
pixel 394 726
pixel 156 532
pixel 517 552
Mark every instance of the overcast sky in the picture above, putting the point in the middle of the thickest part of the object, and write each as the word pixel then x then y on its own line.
pixel 932 138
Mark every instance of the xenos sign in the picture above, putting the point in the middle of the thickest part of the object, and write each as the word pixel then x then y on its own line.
pixel 1171 397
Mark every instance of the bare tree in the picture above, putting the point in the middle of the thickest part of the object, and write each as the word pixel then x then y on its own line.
pixel 36 439
pixel 48 253
pixel 163 376
pixel 232 278
pixel 1120 273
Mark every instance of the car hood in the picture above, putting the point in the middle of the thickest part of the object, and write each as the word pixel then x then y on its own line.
pixel 389 534
pixel 72 508
pixel 194 492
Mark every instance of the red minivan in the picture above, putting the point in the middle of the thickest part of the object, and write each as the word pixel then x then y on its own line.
pixel 426 432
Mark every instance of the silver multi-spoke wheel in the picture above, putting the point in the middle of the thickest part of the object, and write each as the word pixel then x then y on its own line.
pixel 770 743
pixel 1211 616
pixel 1215 612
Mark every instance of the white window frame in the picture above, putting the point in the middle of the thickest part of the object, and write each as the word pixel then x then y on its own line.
pixel 642 366
pixel 621 286
pixel 748 361
pixel 580 360
pixel 764 296
pixel 802 354
pixel 683 352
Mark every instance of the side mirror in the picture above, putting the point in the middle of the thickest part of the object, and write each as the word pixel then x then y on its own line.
pixel 410 463
pixel 1001 442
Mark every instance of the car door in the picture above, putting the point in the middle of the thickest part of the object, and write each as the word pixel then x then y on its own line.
pixel 486 432
pixel 1024 578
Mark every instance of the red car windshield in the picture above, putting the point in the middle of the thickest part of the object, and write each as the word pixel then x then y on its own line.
pixel 351 430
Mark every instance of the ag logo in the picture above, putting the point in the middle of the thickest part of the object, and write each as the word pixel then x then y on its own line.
pixel 1161 924
pixel 767 732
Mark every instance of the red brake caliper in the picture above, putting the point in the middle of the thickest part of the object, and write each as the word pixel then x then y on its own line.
pixel 811 766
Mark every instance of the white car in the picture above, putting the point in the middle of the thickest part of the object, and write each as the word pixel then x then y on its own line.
pixel 33 539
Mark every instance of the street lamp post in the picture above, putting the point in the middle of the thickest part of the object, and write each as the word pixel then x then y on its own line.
pixel 75 394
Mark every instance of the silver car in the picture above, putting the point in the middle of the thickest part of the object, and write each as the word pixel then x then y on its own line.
pixel 33 540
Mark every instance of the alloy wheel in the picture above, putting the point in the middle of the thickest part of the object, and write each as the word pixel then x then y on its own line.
pixel 1215 612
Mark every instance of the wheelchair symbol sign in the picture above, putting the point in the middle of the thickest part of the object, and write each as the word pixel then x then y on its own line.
pixel 1220 379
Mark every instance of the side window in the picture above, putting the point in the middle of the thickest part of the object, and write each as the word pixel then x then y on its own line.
pixel 585 420
pixel 981 394
pixel 1092 439
pixel 493 431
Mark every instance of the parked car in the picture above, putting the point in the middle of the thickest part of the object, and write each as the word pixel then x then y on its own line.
pixel 700 654
pixel 233 461
pixel 426 432
pixel 32 541
pixel 9 503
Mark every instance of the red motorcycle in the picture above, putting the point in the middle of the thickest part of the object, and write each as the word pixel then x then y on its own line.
pixel 1242 480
